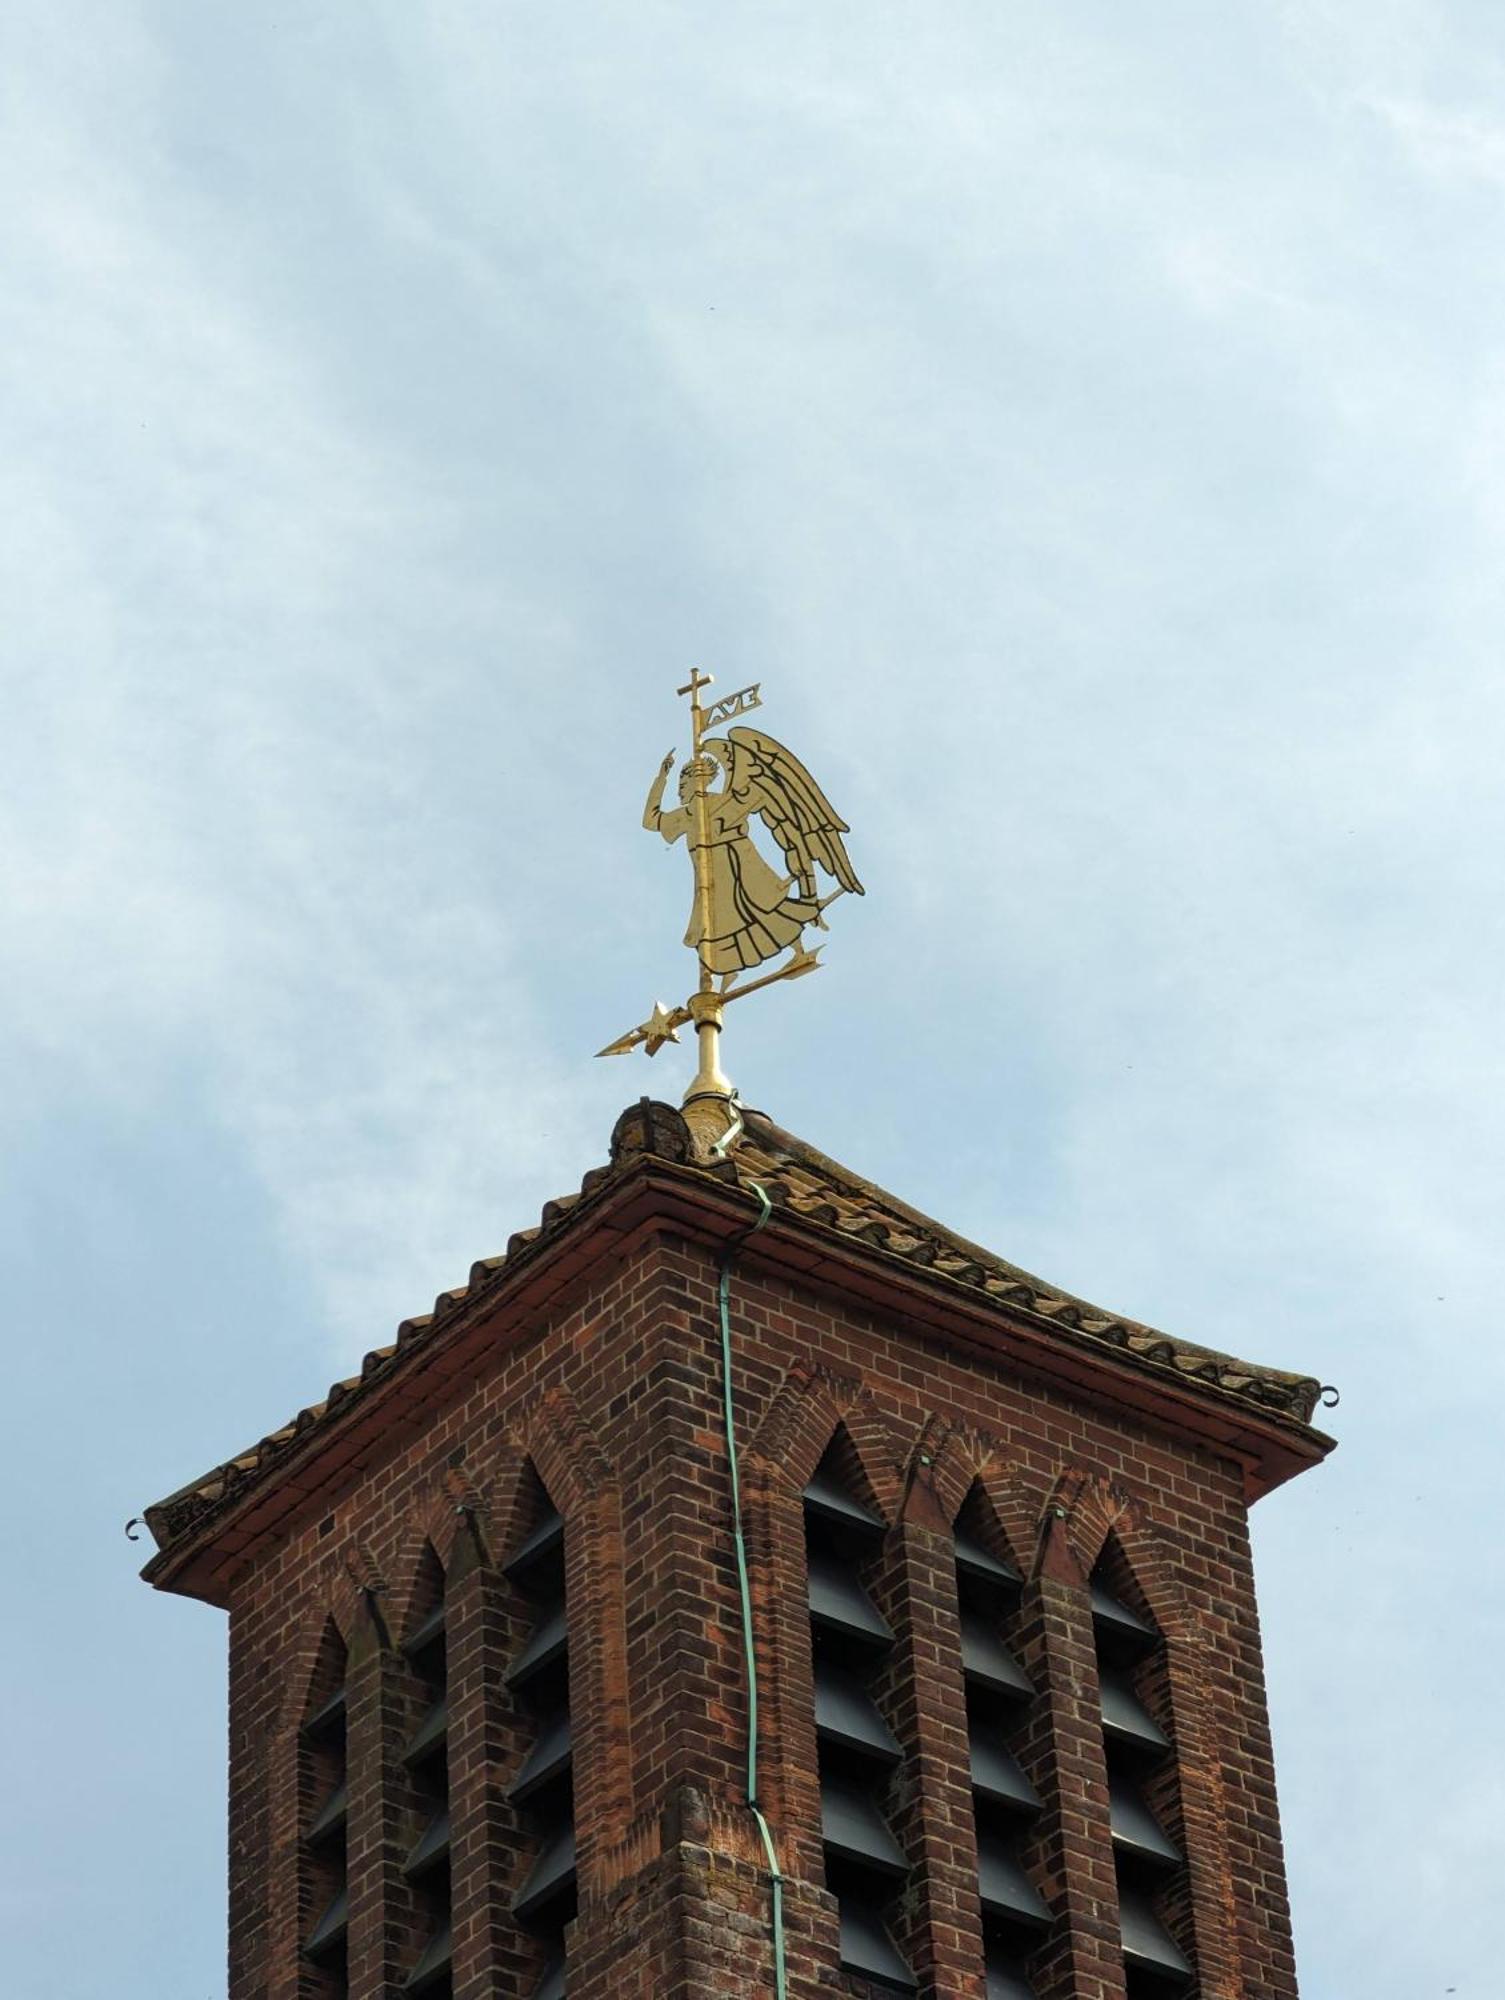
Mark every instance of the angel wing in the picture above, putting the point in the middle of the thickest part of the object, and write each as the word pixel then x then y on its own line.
pixel 775 784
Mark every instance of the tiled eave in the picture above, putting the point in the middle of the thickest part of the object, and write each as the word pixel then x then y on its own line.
pixel 207 1532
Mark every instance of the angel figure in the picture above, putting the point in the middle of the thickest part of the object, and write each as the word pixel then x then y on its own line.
pixel 754 913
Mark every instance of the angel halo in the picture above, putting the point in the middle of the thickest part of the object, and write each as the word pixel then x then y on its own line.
pixel 743 913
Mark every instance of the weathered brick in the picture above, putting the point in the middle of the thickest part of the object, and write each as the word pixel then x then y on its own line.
pixel 611 1394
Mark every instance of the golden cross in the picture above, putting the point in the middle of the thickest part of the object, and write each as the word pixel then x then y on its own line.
pixel 692 688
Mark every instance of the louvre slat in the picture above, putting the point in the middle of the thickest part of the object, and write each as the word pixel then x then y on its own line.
pixel 536 1563
pixel 847 1717
pixel 978 1564
pixel 1136 1831
pixel 1120 1631
pixel 988 1663
pixel 429 1635
pixel 827 1500
pixel 1006 1891
pixel 547 1760
pixel 868 1950
pixel 1006 1980
pixel 327 1938
pixel 331 1816
pixel 328 1721
pixel 840 1605
pixel 997 1777
pixel 546 1646
pixel 1125 1718
pixel 854 1830
pixel 434 1964
pixel 551 1878
pixel 551 1986
pixel 1148 1945
pixel 431 1734
pixel 430 1849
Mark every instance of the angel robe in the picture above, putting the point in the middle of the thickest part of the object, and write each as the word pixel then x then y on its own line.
pixel 753 915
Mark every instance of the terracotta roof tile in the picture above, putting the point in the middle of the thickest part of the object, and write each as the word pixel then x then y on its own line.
pixel 797 1178
pixel 784 1164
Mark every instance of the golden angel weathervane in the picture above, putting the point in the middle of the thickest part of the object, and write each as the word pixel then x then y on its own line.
pixel 744 912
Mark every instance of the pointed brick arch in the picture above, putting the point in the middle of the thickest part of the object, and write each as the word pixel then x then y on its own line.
pixel 1084 1508
pixel 338 1603
pixel 503 1506
pixel 306 1690
pixel 435 1525
pixel 947 1462
pixel 1087 1509
pixel 471 1546
pixel 810 1407
pixel 564 1449
pixel 362 1576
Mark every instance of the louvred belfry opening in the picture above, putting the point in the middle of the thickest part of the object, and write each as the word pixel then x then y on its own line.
pixel 426 1756
pixel 520 1516
pixel 324 1799
pixel 866 1868
pixel 1141 1768
pixel 1005 1803
pixel 544 1787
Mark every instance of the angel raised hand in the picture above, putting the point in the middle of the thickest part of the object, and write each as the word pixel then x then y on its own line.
pixel 754 913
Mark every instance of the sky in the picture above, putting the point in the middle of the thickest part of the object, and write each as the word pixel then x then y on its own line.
pixel 1086 422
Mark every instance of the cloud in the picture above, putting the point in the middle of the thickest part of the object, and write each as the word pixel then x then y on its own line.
pixel 231 611
pixel 1444 141
pixel 1088 433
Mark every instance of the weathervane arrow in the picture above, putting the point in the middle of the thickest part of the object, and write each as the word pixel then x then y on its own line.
pixel 745 912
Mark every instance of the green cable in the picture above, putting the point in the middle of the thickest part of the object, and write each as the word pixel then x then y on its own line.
pixel 775 1873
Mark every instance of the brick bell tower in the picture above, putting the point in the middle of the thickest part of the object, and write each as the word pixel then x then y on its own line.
pixel 746 1589
pixel 489 1731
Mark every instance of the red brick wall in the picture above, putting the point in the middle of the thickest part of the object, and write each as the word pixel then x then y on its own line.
pixel 616 1403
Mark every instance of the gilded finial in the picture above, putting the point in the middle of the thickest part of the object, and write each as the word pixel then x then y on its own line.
pixel 744 912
